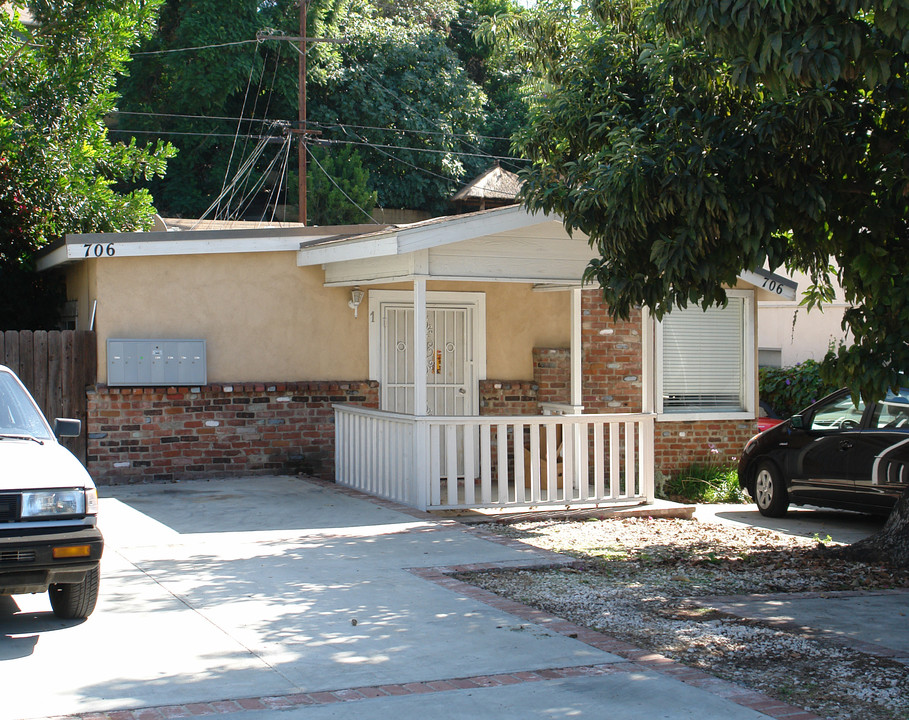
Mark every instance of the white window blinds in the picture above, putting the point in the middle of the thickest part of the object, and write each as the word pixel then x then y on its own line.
pixel 703 365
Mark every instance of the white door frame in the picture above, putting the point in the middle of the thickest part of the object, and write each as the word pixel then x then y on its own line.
pixel 476 301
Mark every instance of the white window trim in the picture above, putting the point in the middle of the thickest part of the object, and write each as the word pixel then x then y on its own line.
pixel 748 368
pixel 434 298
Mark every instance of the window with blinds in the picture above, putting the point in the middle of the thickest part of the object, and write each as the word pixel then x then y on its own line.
pixel 703 358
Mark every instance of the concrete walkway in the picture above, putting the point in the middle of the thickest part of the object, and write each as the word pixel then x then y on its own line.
pixel 269 598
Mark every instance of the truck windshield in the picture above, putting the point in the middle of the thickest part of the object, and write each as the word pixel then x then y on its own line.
pixel 18 414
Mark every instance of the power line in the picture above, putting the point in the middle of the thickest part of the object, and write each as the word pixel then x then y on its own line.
pixel 340 189
pixel 329 142
pixel 326 125
pixel 425 150
pixel 197 47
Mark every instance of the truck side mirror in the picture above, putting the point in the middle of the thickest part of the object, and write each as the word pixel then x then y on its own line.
pixel 66 427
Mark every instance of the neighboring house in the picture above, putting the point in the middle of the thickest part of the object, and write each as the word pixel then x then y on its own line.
pixel 311 337
pixel 496 187
pixel 789 334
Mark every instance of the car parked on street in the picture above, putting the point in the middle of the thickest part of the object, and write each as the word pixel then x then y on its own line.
pixel 49 539
pixel 833 454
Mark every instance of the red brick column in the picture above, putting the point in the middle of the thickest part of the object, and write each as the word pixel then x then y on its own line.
pixel 612 364
pixel 177 433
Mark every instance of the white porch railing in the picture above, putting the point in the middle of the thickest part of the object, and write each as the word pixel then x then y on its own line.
pixel 495 461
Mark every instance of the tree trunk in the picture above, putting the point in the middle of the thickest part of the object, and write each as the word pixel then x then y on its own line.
pixel 890 545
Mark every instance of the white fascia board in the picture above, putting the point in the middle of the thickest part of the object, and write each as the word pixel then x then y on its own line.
pixel 101 246
pixel 468 227
pixel 768 282
pixel 374 247
pixel 54 258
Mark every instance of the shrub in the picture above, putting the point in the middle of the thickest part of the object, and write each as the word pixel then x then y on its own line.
pixel 705 483
pixel 791 389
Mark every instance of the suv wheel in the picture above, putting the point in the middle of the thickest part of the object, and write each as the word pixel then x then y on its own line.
pixel 770 491
pixel 72 601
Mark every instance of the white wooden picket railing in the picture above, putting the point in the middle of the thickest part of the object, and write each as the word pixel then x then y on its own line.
pixel 495 461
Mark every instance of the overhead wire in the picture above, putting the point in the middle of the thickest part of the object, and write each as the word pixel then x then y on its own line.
pixel 195 47
pixel 233 146
pixel 340 189
pixel 227 212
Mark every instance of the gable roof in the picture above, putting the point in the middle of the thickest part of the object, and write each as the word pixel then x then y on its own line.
pixel 495 184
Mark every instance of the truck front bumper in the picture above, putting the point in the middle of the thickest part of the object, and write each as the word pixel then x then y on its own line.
pixel 30 563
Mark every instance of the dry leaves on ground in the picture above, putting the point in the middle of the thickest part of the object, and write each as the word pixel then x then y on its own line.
pixel 639 576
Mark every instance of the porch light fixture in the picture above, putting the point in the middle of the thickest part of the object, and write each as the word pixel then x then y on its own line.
pixel 356 297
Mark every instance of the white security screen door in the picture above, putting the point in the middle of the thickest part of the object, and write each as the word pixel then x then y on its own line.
pixel 451 380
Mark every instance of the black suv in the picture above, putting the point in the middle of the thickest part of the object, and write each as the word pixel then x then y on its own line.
pixel 834 454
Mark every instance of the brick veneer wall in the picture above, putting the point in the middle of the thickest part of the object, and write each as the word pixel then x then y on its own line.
pixel 552 373
pixel 611 364
pixel 137 434
pixel 505 397
pixel 678 445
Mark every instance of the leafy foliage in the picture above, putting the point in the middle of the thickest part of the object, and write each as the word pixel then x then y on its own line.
pixel 59 172
pixel 708 483
pixel 403 80
pixel 338 184
pixel 791 389
pixel 691 139
pixel 395 82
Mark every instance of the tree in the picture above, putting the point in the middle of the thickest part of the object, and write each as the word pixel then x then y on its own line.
pixel 338 188
pixel 394 83
pixel 693 138
pixel 403 87
pixel 59 173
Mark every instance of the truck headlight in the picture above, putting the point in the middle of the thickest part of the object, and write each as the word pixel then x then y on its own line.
pixel 53 503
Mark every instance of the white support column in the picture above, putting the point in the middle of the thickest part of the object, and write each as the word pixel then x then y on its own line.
pixel 648 366
pixel 421 448
pixel 577 350
pixel 419 347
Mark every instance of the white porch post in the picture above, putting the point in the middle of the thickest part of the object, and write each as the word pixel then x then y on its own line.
pixel 577 350
pixel 648 405
pixel 421 459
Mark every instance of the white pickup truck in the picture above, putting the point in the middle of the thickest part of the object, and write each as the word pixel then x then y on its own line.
pixel 49 538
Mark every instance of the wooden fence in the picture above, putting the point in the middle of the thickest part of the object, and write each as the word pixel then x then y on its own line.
pixel 56 366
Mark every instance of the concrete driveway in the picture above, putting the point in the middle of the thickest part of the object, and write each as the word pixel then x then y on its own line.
pixel 842 526
pixel 254 597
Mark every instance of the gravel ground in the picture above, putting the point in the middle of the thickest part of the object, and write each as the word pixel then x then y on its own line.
pixel 638 577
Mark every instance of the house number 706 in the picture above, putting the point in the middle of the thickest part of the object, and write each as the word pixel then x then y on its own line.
pixel 773 286
pixel 99 249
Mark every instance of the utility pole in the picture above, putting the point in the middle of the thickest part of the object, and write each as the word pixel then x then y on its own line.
pixel 302 131
pixel 301 108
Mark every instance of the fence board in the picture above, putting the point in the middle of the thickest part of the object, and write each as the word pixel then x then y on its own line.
pixel 12 350
pixel 39 356
pixel 56 367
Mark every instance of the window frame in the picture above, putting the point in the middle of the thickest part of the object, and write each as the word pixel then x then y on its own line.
pixel 749 371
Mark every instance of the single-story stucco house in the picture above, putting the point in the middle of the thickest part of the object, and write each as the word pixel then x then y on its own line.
pixel 243 351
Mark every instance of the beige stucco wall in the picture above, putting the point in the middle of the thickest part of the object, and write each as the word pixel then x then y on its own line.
pixel 265 319
pixel 801 334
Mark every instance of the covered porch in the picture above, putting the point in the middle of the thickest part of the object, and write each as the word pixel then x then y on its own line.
pixel 428 445
pixel 444 292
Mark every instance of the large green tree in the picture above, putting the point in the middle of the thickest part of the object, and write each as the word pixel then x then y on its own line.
pixel 59 172
pixel 693 138
pixel 690 141
pixel 393 83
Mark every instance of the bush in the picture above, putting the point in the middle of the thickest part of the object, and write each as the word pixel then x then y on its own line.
pixel 704 484
pixel 791 389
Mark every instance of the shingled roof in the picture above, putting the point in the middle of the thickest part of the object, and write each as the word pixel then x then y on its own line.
pixel 494 188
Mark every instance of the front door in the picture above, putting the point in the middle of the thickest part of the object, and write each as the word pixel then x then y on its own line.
pixel 451 380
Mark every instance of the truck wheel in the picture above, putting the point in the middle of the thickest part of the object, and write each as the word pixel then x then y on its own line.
pixel 72 601
pixel 770 491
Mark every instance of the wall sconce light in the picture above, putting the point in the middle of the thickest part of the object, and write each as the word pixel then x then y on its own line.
pixel 356 297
